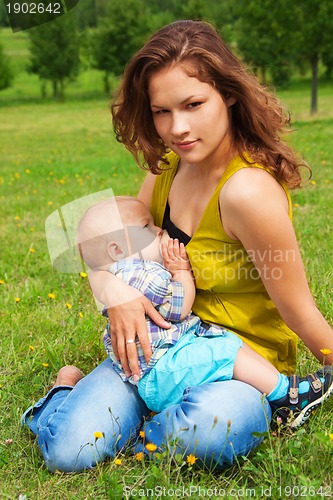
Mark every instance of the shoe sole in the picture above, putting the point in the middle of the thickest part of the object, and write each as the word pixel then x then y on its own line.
pixel 307 410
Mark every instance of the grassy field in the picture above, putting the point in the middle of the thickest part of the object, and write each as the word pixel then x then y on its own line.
pixel 53 153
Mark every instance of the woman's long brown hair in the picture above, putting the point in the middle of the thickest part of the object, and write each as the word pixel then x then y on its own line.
pixel 257 118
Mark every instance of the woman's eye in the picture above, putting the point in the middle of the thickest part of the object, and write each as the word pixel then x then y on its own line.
pixel 192 105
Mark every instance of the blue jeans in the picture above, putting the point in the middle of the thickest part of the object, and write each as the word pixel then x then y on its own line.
pixel 214 421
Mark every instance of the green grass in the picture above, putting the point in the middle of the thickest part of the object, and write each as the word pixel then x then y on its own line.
pixel 53 153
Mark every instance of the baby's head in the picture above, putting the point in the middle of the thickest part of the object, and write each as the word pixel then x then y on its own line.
pixel 118 228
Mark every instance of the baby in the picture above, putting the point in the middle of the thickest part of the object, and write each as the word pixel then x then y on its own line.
pixel 118 235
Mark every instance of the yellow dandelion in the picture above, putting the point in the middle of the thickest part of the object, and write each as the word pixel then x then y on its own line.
pixel 80 314
pixel 191 459
pixel 69 306
pixel 32 250
pixel 61 181
pixel 325 352
pixel 27 171
pixel 51 296
pixel 327 181
pixel 2 282
pixel 139 456
pixel 117 461
pixel 45 365
pixel 151 447
pixel 313 183
pixel 142 434
pixel 98 434
pixel 83 275
pixel 296 205
pixel 17 217
pixel 50 203
pixel 32 229
pixel 31 347
pixel 51 174
pixel 17 299
pixel 330 436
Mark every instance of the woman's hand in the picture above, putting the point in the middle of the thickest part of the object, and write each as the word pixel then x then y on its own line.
pixel 127 308
pixel 128 323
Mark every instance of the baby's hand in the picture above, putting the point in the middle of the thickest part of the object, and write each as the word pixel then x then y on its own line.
pixel 175 257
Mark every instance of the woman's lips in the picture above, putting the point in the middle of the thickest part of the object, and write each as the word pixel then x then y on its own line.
pixel 185 145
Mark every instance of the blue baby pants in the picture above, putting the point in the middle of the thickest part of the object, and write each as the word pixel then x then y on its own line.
pixel 193 361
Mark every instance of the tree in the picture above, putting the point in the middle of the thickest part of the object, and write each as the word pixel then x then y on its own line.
pixel 86 14
pixel 266 37
pixel 315 20
pixel 54 50
pixel 194 9
pixel 269 37
pixel 6 75
pixel 121 33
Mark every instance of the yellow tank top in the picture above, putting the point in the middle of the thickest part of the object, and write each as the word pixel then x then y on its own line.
pixel 229 290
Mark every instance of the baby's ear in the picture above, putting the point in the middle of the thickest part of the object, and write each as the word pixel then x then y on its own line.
pixel 115 252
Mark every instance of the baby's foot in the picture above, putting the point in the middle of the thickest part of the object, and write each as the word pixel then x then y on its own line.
pixel 298 403
pixel 68 375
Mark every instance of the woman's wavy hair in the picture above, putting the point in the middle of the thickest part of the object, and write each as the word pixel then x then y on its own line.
pixel 257 119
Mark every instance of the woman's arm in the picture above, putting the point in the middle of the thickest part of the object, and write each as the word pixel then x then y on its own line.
pixel 146 192
pixel 126 306
pixel 255 211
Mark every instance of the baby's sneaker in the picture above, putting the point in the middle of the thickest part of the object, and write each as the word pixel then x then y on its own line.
pixel 304 395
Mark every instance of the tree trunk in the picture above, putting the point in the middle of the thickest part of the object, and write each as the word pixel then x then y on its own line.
pixel 314 84
pixel 107 87
pixel 55 89
pixel 43 89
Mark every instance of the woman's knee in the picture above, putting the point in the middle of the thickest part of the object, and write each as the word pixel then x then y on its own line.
pixel 74 450
pixel 216 422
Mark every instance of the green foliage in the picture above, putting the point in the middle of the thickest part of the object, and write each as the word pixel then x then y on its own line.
pixel 4 21
pixel 120 33
pixel 261 37
pixel 86 14
pixel 55 52
pixel 6 74
pixel 194 9
pixel 316 25
pixel 269 39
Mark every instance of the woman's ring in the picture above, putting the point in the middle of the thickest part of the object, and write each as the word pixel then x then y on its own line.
pixel 130 341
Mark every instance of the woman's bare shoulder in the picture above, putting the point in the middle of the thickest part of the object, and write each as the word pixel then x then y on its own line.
pixel 252 186
pixel 249 195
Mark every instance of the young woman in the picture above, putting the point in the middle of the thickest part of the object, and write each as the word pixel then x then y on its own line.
pixel 211 137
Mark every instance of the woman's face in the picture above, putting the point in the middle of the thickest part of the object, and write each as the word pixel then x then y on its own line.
pixel 190 116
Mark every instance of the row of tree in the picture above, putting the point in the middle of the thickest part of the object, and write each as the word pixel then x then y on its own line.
pixel 273 36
